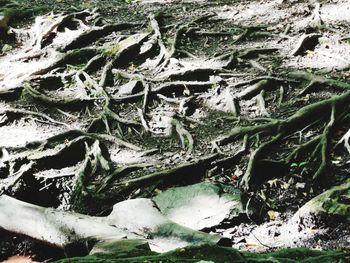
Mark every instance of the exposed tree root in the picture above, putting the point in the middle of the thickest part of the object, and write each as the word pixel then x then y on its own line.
pixel 255 89
pixel 50 226
pixel 69 231
pixel 345 139
pixel 317 82
pixel 118 174
pixel 166 54
pixel 305 44
pixel 315 19
pixel 246 181
pixel 188 172
pixel 128 84
pixel 301 117
pixel 302 149
pixel 283 127
pixel 65 103
pixel 261 104
pixel 14 112
pixel 92 35
pixel 14 177
pixel 185 136
pixel 94 162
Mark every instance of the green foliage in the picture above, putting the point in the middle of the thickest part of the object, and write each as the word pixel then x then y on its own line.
pixel 292 165
pixel 302 164
pixel 298 165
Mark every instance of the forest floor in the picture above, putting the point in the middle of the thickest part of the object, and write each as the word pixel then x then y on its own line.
pixel 236 111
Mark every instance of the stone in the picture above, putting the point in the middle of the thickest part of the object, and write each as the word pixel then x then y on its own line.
pixel 201 205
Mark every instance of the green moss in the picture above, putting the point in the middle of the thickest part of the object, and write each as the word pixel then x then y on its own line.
pixel 112 51
pixel 180 196
pixel 122 249
pixel 217 254
pixel 174 231
pixel 334 201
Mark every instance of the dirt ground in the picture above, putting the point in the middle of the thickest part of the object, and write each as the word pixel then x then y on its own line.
pixel 174 98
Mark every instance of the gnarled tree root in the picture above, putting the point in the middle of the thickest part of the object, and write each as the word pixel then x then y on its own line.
pixel 68 229
pixel 280 128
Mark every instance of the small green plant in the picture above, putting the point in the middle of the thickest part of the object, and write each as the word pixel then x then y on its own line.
pixel 298 165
